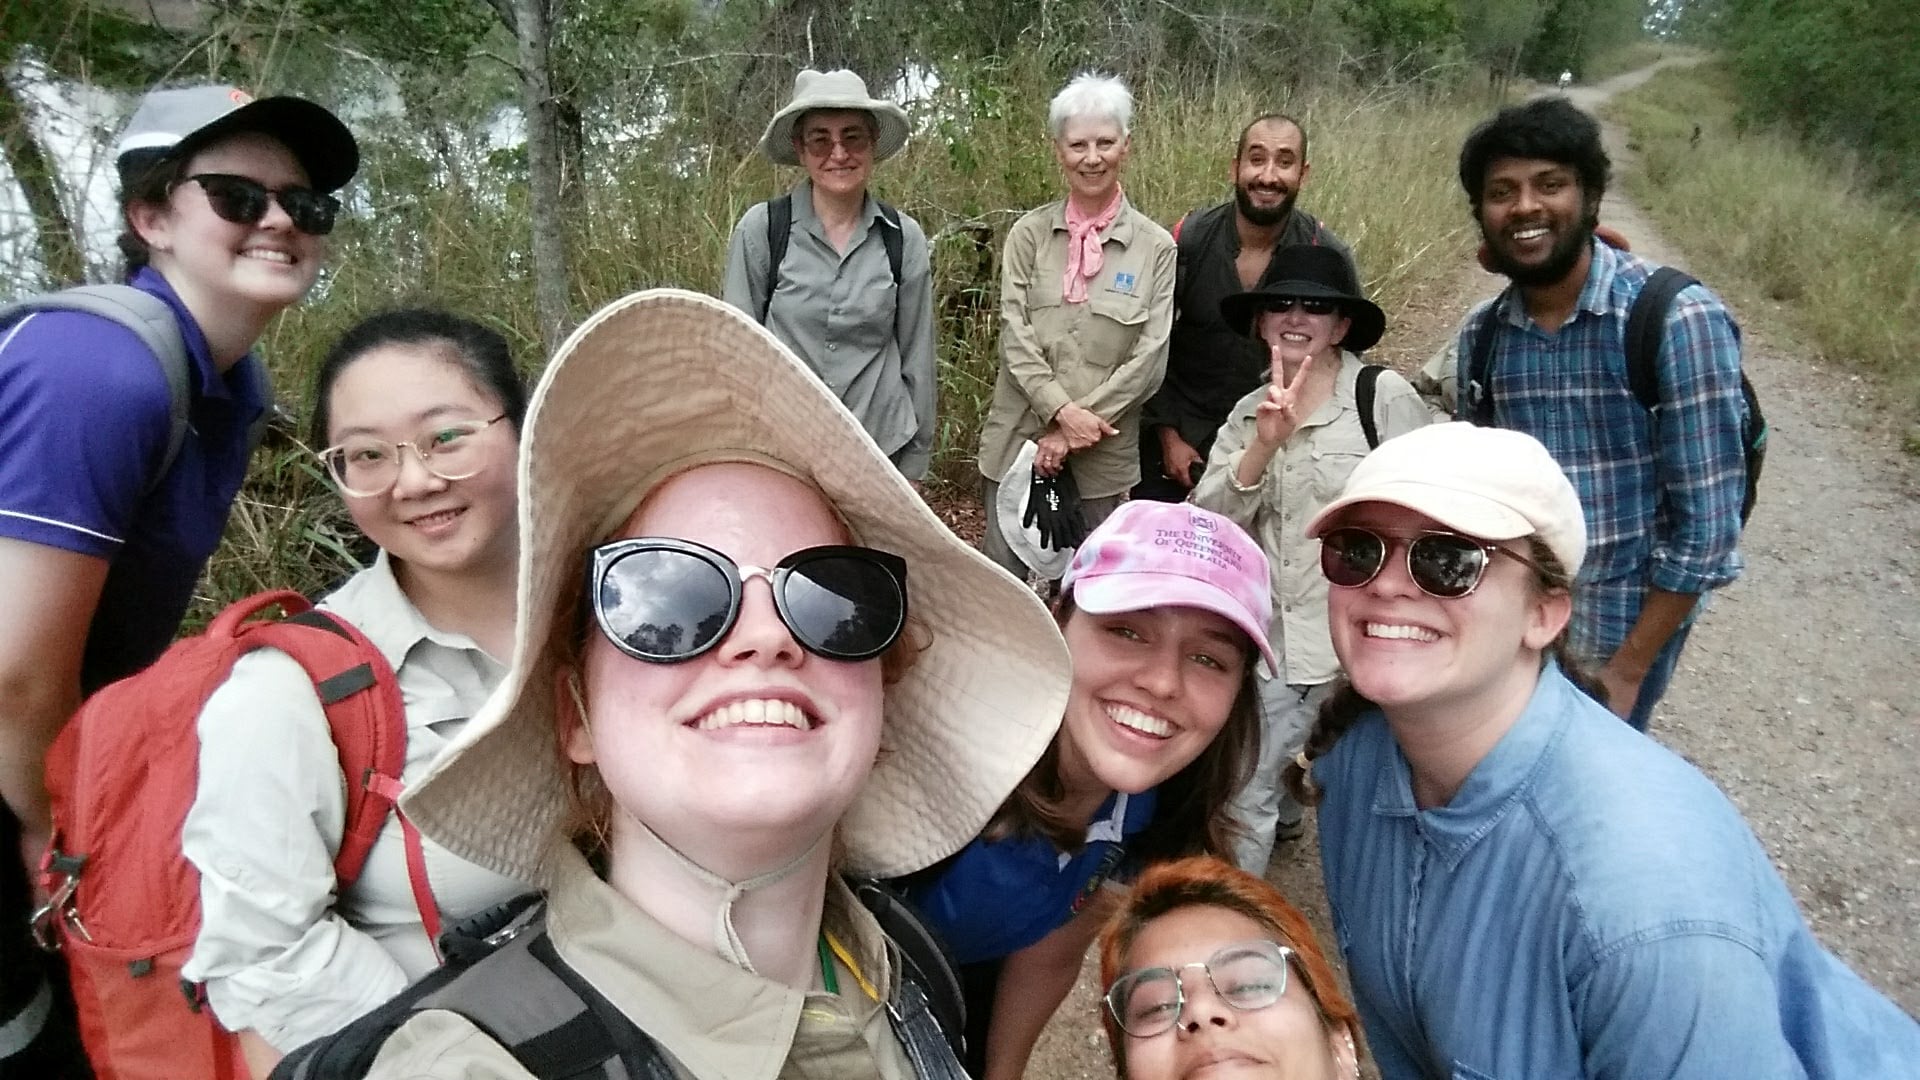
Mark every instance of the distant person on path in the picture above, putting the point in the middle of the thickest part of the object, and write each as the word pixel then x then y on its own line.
pixel 1662 490
pixel 1086 301
pixel 420 415
pixel 852 294
pixel 1164 608
pixel 1225 249
pixel 1285 450
pixel 1205 964
pixel 1522 885
pixel 109 507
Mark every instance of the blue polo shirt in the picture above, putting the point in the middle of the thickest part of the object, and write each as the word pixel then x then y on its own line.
pixel 1587 905
pixel 84 421
pixel 997 897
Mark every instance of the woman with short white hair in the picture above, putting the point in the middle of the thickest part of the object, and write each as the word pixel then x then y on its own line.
pixel 1086 304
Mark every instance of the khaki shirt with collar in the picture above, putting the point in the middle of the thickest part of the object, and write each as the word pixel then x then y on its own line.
pixel 279 952
pixel 1306 473
pixel 715 1021
pixel 1107 355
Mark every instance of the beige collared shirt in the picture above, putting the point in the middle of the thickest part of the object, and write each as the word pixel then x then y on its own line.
pixel 1306 473
pixel 715 1021
pixel 1107 355
pixel 278 952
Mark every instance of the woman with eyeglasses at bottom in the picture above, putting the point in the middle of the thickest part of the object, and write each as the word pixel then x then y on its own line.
pixel 117 468
pixel 1523 885
pixel 1282 454
pixel 419 412
pixel 1164 609
pixel 748 662
pixel 1206 965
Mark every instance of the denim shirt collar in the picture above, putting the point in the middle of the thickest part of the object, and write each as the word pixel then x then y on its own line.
pixel 1496 785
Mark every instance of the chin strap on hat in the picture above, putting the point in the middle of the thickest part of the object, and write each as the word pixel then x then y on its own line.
pixel 726 939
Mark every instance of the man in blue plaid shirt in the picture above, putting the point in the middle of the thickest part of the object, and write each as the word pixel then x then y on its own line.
pixel 1662 490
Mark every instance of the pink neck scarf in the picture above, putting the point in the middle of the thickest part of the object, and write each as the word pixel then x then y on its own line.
pixel 1084 254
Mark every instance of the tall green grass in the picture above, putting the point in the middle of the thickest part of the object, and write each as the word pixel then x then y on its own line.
pixel 1759 208
pixel 660 213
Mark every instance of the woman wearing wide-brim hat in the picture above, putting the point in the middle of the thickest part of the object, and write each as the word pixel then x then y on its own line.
pixel 748 662
pixel 1284 451
pixel 839 276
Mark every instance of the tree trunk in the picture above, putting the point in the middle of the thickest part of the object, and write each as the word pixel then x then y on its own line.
pixel 59 249
pixel 532 23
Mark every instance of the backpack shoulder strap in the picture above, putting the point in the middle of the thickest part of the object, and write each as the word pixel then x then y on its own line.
pixel 894 240
pixel 1188 245
pixel 148 317
pixel 779 229
pixel 1477 386
pixel 1646 330
pixel 1365 389
pixel 925 960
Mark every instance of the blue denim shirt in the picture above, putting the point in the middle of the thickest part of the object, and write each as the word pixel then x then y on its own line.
pixel 1587 905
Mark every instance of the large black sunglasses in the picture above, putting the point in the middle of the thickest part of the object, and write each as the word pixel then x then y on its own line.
pixel 1312 305
pixel 244 201
pixel 1443 564
pixel 665 601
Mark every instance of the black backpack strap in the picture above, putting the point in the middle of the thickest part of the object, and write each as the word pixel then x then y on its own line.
pixel 1189 244
pixel 894 240
pixel 1476 388
pixel 1365 387
pixel 925 959
pixel 779 229
pixel 1646 331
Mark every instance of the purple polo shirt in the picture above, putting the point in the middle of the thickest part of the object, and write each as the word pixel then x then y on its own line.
pixel 84 421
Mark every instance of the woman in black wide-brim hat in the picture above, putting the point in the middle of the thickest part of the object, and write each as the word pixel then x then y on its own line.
pixel 1283 453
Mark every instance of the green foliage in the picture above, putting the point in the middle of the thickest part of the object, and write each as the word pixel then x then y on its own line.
pixel 1761 213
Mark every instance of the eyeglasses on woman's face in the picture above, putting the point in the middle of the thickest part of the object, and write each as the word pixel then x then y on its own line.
pixel 244 201
pixel 1447 565
pixel 366 466
pixel 1247 975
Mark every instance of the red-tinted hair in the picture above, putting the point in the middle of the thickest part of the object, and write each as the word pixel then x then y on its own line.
pixel 1204 881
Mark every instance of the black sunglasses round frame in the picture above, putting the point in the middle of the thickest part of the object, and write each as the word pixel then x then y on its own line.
pixel 1334 554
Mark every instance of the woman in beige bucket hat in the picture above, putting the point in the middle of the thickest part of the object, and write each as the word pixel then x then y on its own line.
pixel 839 276
pixel 689 749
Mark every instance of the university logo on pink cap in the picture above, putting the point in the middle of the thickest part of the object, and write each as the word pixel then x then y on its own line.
pixel 1154 554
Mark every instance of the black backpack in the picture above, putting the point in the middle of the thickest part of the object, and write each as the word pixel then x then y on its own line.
pixel 780 228
pixel 556 1025
pixel 1646 323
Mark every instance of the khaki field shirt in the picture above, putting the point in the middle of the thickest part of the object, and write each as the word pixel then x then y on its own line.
pixel 1107 354
pixel 1306 473
pixel 714 1021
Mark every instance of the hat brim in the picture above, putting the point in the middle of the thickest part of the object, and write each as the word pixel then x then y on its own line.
pixel 1109 594
pixel 317 139
pixel 891 128
pixel 1366 322
pixel 1462 511
pixel 1010 509
pixel 666 376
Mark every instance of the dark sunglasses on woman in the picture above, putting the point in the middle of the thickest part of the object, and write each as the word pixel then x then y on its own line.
pixel 664 601
pixel 244 201
pixel 1312 305
pixel 1443 564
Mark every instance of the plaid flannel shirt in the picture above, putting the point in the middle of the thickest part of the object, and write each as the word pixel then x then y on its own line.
pixel 1661 489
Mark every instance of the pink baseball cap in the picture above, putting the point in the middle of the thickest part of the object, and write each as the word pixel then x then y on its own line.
pixel 1153 554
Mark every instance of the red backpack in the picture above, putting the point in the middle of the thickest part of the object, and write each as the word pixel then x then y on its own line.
pixel 125 908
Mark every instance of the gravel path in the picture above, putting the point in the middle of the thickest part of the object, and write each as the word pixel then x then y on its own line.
pixel 1795 693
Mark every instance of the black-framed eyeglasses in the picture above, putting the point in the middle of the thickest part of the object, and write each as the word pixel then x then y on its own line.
pixel 664 600
pixel 366 466
pixel 1247 975
pixel 1446 565
pixel 244 200
pixel 1312 305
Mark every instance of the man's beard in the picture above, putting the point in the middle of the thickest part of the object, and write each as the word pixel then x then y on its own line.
pixel 1558 263
pixel 1264 218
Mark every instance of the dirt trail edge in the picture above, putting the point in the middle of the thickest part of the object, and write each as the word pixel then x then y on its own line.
pixel 1797 690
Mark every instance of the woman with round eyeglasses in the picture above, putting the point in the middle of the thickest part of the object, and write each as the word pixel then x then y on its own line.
pixel 1522 885
pixel 125 429
pixel 1282 454
pixel 1208 967
pixel 419 412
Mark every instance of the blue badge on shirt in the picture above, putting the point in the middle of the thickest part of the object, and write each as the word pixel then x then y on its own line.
pixel 1124 282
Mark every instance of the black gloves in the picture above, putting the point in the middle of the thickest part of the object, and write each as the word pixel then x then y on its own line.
pixel 1053 506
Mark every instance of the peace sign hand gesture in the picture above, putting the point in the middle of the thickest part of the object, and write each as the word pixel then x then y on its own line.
pixel 1276 418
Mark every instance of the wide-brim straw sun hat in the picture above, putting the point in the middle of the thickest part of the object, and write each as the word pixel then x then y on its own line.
pixel 667 380
pixel 1310 271
pixel 840 89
